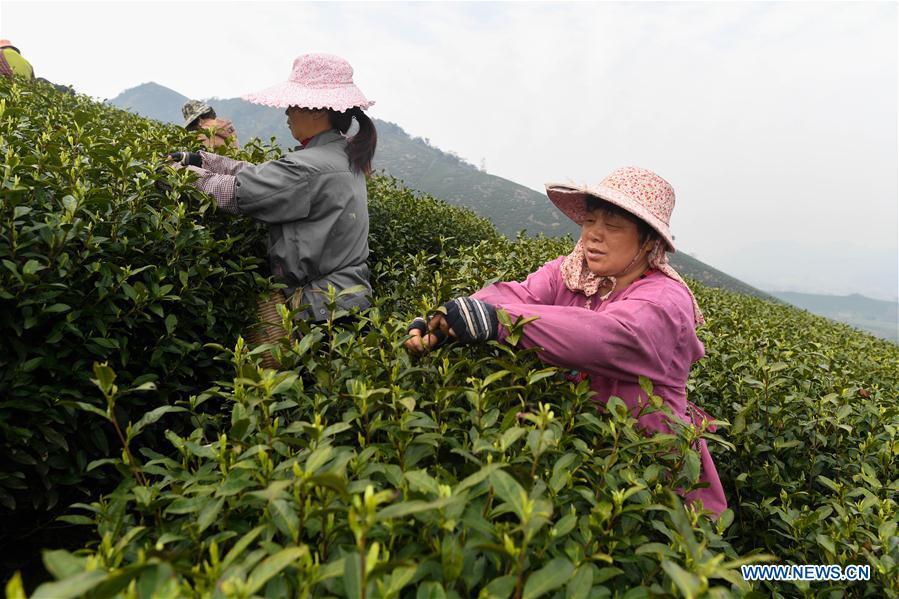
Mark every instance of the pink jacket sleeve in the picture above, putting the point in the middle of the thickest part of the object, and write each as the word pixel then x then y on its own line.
pixel 632 337
pixel 538 288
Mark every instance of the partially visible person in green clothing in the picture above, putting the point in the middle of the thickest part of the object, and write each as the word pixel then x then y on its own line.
pixel 12 63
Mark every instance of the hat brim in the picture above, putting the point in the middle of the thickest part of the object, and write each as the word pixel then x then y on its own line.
pixel 337 97
pixel 572 201
pixel 195 116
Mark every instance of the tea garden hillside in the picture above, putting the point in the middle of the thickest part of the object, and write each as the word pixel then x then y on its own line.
pixel 421 166
pixel 509 206
pixel 147 453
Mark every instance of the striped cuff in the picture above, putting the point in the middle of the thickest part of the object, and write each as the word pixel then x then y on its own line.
pixel 471 319
pixel 221 187
pixel 5 69
pixel 222 165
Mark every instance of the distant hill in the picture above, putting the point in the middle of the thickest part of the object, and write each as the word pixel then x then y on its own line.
pixel 689 266
pixel 152 101
pixel 421 166
pixel 876 316
pixel 413 160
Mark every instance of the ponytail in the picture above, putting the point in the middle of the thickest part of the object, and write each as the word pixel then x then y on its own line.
pixel 360 148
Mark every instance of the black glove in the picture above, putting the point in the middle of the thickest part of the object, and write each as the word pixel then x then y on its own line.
pixel 162 186
pixel 161 183
pixel 472 320
pixel 421 325
pixel 187 158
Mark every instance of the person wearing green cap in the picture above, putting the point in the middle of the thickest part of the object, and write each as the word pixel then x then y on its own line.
pixel 200 117
pixel 12 63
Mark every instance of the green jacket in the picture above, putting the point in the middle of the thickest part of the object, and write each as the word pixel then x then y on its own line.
pixel 17 64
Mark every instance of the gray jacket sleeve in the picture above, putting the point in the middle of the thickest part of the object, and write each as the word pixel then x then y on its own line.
pixel 273 192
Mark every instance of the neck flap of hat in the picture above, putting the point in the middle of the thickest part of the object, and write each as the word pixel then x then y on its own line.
pixel 579 278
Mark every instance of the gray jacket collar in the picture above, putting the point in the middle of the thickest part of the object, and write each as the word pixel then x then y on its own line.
pixel 323 138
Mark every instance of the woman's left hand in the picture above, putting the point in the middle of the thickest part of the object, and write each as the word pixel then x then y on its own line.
pixel 186 158
pixel 226 130
pixel 426 336
pixel 467 320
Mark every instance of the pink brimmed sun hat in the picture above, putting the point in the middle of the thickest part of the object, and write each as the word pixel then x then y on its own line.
pixel 636 190
pixel 316 81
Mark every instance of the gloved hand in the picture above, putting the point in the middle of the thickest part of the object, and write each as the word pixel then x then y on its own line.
pixel 471 320
pixel 419 340
pixel 467 320
pixel 186 158
pixel 161 183
pixel 162 186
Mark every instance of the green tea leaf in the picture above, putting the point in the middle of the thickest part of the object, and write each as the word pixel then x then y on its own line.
pixel 548 578
pixel 241 546
pixel 153 416
pixel 273 565
pixel 209 513
pixel 430 590
pixel 509 490
pixel 62 564
pixel 500 588
pixel 580 584
pixel 686 582
pixel 284 517
pixel 353 576
pixel 71 587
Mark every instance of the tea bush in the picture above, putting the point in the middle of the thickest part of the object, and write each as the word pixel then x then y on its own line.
pixel 404 222
pixel 97 264
pixel 357 470
pixel 815 425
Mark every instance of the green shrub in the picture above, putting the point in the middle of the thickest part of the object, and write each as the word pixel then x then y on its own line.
pixel 815 423
pixel 404 222
pixel 97 264
pixel 360 470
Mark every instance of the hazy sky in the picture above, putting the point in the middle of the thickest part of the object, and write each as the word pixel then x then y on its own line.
pixel 776 122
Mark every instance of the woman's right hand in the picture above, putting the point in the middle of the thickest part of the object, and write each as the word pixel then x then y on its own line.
pixel 225 129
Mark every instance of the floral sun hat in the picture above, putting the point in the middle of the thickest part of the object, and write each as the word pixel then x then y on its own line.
pixel 315 81
pixel 642 193
pixel 637 190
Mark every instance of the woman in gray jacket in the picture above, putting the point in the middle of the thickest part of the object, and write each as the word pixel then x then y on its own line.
pixel 313 199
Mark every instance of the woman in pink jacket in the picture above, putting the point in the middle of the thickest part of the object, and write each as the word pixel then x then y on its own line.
pixel 613 309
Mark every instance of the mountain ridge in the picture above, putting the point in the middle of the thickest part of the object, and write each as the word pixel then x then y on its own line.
pixel 876 316
pixel 422 167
